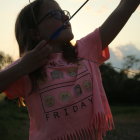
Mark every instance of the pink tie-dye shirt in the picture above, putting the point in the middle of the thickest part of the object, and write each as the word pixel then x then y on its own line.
pixel 71 103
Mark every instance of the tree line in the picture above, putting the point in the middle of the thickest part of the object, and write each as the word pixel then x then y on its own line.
pixel 123 86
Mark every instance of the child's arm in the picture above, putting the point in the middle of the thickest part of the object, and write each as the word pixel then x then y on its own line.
pixel 116 21
pixel 27 64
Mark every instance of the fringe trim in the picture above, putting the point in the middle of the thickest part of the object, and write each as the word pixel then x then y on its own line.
pixel 103 123
pixel 96 131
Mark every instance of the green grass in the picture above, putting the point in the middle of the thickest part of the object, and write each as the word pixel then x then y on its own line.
pixel 14 122
pixel 127 123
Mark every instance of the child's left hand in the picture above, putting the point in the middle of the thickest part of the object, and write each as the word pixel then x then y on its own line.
pixel 116 21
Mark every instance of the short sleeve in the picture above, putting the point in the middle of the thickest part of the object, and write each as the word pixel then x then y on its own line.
pixel 90 47
pixel 20 87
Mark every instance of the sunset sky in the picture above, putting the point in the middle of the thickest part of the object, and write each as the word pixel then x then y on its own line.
pixel 90 17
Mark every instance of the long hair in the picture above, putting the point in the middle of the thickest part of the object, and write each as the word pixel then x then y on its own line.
pixel 24 23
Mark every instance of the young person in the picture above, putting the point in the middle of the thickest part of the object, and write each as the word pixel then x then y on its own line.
pixel 60 83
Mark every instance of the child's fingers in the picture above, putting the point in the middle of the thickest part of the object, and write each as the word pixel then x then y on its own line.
pixel 46 51
pixel 40 45
pixel 43 47
pixel 41 52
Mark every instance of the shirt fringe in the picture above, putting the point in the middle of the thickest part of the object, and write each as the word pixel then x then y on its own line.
pixel 103 123
pixel 96 131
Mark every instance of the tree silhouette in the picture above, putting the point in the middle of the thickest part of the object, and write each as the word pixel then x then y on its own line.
pixel 119 87
pixel 5 59
pixel 130 62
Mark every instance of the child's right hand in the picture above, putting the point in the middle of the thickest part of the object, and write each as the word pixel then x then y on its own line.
pixel 35 58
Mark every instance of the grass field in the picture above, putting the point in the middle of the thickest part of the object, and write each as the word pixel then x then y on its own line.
pixel 14 122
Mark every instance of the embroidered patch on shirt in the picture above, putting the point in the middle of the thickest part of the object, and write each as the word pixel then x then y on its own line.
pixel 72 72
pixel 65 96
pixel 78 90
pixel 87 85
pixel 56 74
pixel 49 101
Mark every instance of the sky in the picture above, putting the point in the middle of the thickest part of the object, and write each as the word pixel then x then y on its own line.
pixel 94 13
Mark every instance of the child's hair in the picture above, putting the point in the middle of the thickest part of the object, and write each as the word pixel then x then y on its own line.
pixel 24 23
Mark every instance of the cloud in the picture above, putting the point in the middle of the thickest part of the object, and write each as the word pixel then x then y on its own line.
pixel 102 9
pixel 117 54
pixel 129 49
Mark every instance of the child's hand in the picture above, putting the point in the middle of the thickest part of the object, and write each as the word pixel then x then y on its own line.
pixel 117 20
pixel 35 58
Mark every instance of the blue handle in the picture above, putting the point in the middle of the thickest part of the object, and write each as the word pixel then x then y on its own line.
pixel 56 33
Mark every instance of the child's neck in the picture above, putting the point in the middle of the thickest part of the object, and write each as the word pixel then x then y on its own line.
pixel 57 47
